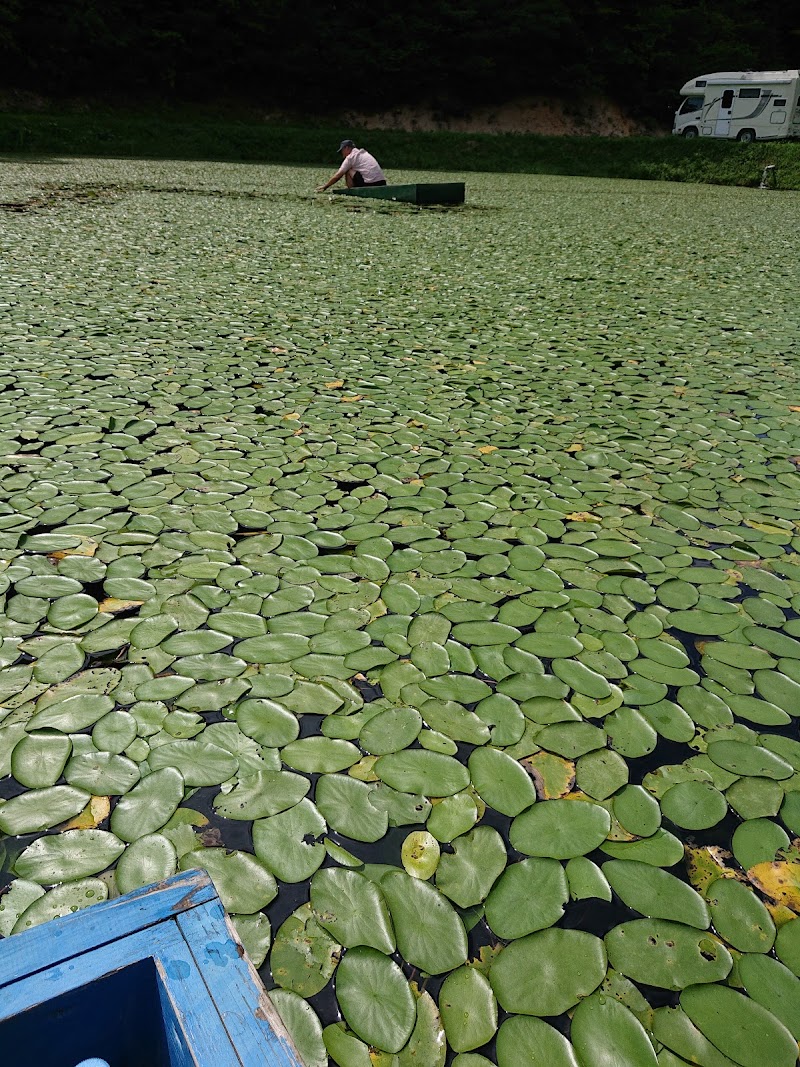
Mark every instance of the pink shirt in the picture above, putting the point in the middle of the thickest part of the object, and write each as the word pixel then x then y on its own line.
pixel 359 159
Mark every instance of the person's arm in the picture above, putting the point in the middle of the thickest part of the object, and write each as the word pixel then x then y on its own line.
pixel 337 176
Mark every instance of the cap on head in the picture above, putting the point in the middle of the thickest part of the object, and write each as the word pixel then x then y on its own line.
pixel 347 143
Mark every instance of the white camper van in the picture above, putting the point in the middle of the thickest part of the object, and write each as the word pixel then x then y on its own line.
pixel 742 105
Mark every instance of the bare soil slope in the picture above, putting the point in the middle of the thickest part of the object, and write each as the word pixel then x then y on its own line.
pixel 597 116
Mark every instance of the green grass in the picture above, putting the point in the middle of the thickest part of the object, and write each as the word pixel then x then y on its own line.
pixel 153 136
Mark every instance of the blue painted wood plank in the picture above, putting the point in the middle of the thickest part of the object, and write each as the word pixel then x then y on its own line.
pixel 236 989
pixel 179 963
pixel 60 939
pixel 190 1002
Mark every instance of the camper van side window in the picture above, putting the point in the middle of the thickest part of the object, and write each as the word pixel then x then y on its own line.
pixel 690 104
pixel 749 94
pixel 779 103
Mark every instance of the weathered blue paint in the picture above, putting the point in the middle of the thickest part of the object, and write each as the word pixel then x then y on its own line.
pixel 155 977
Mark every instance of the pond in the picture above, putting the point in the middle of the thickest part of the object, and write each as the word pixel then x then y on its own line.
pixel 429 576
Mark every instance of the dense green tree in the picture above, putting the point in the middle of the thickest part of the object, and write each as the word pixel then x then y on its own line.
pixel 320 56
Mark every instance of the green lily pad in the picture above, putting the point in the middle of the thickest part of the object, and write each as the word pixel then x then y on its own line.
pixel 420 854
pixel 656 894
pixel 485 633
pixel 774 987
pixel 666 954
pixel 569 964
pixel 586 880
pixel 454 721
pixel 778 689
pixel 552 645
pixel 375 998
pixel 739 916
pixel 505 718
pixel 427 1043
pixel 102 773
pixel 304 956
pixel 630 733
pixel 309 698
pixel 669 720
pixel 702 623
pixel 572 739
pixel 752 760
pixel 603 1030
pixel 430 935
pixel 18 898
pixel 59 663
pixel 287 843
pixel 73 713
pixel 755 798
pixel 41 809
pixel 739 1027
pixel 303 1026
pixel 694 805
pixel 261 795
pixel 72 612
pixel 38 760
pixel 452 816
pixel 243 883
pixel 67 857
pixel 673 1028
pixel 323 755
pixel 402 809
pixel 637 811
pixel 500 781
pixel 418 771
pixel 528 896
pixel 600 773
pixel 348 806
pixel 128 588
pixel 152 631
pixel 390 731
pixel 151 858
pixel 199 762
pixel 255 933
pixel 532 1041
pixel 787 946
pixel 352 909
pixel 462 688
pixel 62 900
pixel 468 1008
pixel 149 805
pixel 757 841
pixel 560 829
pixel 114 732
pixel 581 678
pixel 345 1049
pixel 467 874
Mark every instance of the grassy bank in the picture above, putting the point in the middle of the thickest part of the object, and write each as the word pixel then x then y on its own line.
pixel 152 136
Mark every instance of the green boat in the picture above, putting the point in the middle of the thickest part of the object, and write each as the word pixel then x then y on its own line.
pixel 420 193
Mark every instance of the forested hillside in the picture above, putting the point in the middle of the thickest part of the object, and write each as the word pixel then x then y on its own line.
pixel 451 53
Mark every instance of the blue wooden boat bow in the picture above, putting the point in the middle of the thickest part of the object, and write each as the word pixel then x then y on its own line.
pixel 155 977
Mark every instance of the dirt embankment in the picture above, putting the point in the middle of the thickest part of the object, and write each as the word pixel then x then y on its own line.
pixel 551 117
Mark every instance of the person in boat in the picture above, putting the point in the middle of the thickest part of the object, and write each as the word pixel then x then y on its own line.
pixel 358 168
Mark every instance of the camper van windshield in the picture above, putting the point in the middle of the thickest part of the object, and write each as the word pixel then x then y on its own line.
pixel 691 103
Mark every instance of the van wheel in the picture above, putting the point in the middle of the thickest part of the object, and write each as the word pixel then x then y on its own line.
pixel 690 131
pixel 746 136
